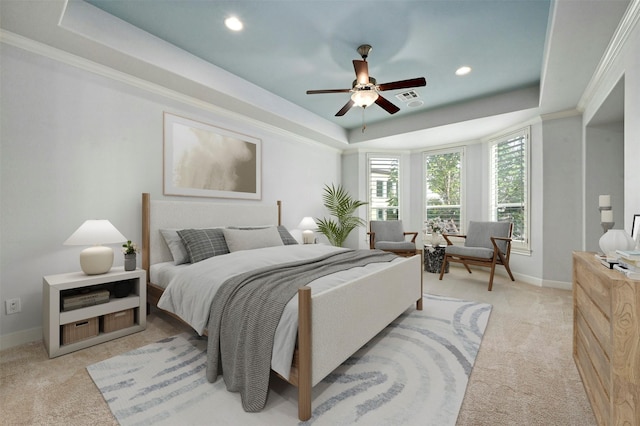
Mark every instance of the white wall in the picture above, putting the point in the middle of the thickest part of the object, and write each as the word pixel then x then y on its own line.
pixel 76 145
pixel 624 64
pixel 604 174
pixel 561 207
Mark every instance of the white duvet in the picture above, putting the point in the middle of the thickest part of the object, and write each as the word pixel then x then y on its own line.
pixel 190 289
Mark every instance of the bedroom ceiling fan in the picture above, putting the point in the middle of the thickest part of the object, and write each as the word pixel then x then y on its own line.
pixel 365 90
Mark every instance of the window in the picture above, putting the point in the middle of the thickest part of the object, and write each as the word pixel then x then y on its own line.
pixel 509 184
pixel 383 172
pixel 443 187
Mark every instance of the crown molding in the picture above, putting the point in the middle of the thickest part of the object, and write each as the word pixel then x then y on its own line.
pixel 67 58
pixel 560 114
pixel 620 37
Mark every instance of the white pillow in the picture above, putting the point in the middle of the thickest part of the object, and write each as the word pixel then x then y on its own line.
pixel 176 246
pixel 248 239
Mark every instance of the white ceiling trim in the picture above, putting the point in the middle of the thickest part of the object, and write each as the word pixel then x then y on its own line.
pixel 61 56
pixel 620 37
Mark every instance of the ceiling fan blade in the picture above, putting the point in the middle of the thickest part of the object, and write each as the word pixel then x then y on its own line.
pixel 386 105
pixel 315 92
pixel 362 71
pixel 403 84
pixel 345 108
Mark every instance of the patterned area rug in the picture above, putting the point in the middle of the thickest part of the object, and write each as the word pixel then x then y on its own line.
pixel 414 372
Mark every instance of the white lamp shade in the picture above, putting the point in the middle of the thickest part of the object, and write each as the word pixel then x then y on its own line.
pixel 615 239
pixel 94 232
pixel 97 259
pixel 307 224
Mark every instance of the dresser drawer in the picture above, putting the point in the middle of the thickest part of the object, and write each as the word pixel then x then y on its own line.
pixel 597 289
pixel 594 352
pixel 594 319
pixel 597 395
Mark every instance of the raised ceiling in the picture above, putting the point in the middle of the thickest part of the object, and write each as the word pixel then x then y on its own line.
pixel 288 47
pixel 529 57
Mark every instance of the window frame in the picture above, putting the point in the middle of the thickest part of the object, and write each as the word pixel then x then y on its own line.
pixel 517 246
pixel 385 188
pixel 463 183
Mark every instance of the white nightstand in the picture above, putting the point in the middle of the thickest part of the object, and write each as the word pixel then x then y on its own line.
pixel 54 319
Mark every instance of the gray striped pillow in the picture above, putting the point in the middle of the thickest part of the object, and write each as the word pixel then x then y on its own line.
pixel 202 244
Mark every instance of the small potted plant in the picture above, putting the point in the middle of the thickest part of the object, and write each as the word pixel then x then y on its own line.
pixel 129 250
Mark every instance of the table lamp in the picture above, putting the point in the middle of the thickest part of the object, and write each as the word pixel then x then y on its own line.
pixel 96 259
pixel 307 224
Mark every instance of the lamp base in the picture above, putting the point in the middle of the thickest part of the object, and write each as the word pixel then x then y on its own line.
pixel 96 260
pixel 307 237
pixel 615 239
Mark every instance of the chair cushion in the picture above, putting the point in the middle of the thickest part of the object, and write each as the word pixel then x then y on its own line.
pixel 387 230
pixel 481 252
pixel 395 245
pixel 479 234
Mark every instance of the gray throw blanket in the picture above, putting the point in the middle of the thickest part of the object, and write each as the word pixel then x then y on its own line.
pixel 245 313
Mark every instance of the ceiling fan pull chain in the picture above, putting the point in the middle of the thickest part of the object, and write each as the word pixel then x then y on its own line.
pixel 363 125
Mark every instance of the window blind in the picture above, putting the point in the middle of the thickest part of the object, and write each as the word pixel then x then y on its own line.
pixel 509 184
pixel 383 176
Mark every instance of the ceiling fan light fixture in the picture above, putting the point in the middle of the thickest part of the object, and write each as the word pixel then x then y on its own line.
pixel 364 97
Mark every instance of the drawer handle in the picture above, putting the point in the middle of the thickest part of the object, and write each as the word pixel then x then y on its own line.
pixel 119 314
pixel 81 324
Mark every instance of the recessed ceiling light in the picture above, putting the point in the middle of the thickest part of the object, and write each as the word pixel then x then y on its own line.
pixel 233 23
pixel 463 70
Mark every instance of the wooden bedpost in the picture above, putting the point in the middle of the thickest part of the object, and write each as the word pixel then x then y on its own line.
pixel 304 353
pixel 419 301
pixel 146 232
pixel 279 212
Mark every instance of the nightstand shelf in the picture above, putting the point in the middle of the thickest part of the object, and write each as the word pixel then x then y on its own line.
pixel 54 319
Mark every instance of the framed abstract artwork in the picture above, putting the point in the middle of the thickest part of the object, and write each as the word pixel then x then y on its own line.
pixel 203 160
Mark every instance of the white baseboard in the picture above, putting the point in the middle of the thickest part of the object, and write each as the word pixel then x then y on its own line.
pixel 527 279
pixel 562 285
pixel 20 337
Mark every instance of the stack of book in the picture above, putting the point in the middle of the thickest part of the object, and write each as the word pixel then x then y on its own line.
pixel 629 263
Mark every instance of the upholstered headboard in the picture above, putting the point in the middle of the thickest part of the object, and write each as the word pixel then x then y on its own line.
pixel 164 214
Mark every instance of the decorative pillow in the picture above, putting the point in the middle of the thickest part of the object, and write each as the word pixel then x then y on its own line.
pixel 176 246
pixel 286 237
pixel 202 244
pixel 248 239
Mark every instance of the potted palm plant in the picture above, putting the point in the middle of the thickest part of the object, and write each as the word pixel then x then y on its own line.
pixel 342 206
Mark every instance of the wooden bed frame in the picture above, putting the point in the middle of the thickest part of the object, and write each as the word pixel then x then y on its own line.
pixel 368 303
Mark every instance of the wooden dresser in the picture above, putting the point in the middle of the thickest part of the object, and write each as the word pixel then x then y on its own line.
pixel 606 339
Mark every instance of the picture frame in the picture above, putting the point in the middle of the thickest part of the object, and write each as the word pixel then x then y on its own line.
pixel 635 227
pixel 204 160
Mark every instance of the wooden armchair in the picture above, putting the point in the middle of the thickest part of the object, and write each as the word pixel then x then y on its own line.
pixel 389 235
pixel 485 244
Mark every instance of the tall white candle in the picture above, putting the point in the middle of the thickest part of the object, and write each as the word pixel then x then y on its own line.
pixel 604 201
pixel 606 216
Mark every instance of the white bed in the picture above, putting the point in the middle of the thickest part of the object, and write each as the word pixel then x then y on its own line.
pixel 367 298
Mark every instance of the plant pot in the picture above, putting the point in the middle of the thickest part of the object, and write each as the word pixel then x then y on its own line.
pixel 130 262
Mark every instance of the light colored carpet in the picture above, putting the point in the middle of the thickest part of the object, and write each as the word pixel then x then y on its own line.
pixel 524 373
pixel 415 372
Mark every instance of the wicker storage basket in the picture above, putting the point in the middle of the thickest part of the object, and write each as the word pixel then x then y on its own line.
pixel 117 320
pixel 79 330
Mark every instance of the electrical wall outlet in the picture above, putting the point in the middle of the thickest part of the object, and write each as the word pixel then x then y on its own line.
pixel 13 306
